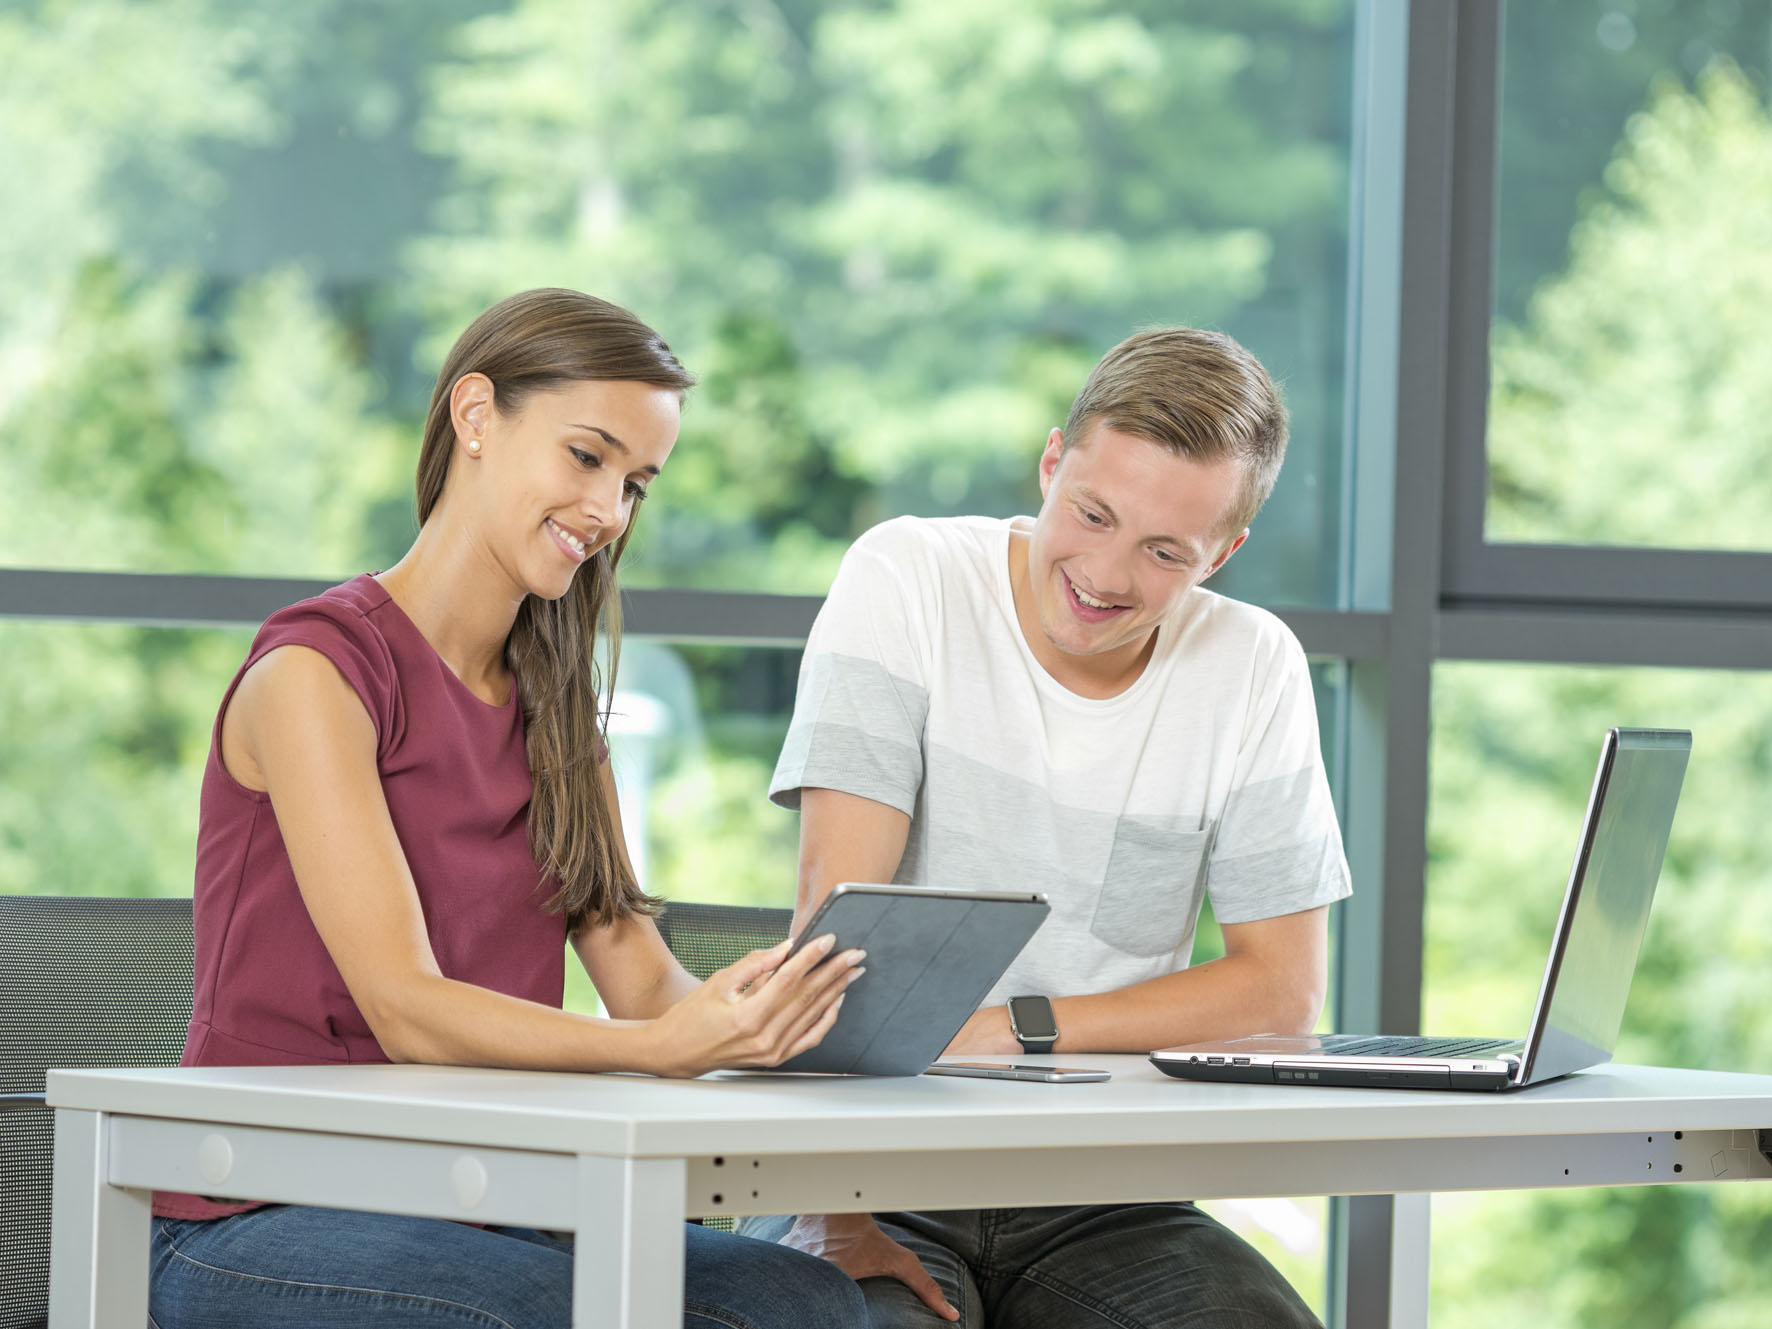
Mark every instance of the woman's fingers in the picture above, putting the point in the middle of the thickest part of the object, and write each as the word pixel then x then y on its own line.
pixel 743 972
pixel 799 997
pixel 805 1022
pixel 779 1002
pixel 801 962
pixel 813 1035
pixel 796 987
pixel 798 978
pixel 827 984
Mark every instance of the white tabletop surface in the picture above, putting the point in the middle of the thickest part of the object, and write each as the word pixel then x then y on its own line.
pixel 637 1116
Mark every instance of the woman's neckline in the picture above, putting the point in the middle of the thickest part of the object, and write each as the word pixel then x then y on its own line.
pixel 459 682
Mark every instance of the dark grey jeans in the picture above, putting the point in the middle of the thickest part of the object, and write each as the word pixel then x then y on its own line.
pixel 1143 1266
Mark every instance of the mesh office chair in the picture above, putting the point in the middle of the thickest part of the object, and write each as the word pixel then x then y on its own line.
pixel 83 982
pixel 706 937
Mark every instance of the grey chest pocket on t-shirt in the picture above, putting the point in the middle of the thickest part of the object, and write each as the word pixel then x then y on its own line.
pixel 1153 882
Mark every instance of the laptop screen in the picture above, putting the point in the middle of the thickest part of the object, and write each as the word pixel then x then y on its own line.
pixel 1606 909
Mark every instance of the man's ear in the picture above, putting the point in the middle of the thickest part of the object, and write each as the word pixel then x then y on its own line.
pixel 1049 459
pixel 470 406
pixel 1230 549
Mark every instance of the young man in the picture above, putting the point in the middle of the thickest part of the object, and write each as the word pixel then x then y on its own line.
pixel 1055 705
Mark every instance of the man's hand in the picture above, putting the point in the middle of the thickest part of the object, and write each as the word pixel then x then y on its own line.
pixel 987 1032
pixel 857 1246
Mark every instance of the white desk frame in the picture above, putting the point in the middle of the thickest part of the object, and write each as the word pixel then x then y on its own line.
pixel 623 1160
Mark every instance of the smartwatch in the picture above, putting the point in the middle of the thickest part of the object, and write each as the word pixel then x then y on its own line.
pixel 1030 1020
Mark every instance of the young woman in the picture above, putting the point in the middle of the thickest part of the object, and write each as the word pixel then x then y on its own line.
pixel 407 811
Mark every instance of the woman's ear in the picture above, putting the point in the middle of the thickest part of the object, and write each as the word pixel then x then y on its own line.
pixel 470 409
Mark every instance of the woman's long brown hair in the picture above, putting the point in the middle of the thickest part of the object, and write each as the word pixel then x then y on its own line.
pixel 529 343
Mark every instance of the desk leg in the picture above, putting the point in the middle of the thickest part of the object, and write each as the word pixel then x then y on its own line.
pixel 627 1272
pixel 98 1237
pixel 1410 1244
pixel 1384 1277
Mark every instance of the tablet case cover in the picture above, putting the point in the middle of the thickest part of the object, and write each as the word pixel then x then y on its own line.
pixel 931 960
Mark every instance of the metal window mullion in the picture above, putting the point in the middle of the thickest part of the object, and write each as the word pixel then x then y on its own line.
pixel 1608 575
pixel 1413 378
pixel 1593 634
pixel 731 617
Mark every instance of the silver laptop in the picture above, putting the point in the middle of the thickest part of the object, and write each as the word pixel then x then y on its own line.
pixel 1586 980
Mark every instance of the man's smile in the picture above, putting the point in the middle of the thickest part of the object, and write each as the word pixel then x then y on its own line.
pixel 1091 609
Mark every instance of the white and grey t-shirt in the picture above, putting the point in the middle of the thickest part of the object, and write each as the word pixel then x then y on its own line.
pixel 918 690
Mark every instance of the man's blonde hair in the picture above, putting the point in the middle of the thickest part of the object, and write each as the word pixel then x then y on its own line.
pixel 1199 394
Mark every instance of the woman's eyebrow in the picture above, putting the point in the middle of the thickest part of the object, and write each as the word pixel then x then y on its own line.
pixel 613 442
pixel 606 436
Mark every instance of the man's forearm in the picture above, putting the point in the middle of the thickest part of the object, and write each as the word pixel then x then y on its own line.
pixel 844 837
pixel 1272 980
pixel 1223 998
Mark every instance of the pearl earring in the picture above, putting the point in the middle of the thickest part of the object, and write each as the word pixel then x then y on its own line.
pixel 474 446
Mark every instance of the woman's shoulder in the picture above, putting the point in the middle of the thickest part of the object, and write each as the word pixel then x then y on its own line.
pixel 345 624
pixel 347 612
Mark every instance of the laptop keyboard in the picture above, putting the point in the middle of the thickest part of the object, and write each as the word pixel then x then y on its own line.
pixel 1417 1047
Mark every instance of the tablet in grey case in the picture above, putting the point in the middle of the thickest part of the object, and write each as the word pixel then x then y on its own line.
pixel 932 957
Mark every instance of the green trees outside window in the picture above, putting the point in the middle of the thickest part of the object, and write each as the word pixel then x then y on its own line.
pixel 1632 404
pixel 1629 406
pixel 891 238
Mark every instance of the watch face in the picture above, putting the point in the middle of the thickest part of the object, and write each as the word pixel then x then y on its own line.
pixel 1032 1017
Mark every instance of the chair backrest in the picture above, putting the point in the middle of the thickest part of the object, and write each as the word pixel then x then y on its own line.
pixel 706 937
pixel 83 982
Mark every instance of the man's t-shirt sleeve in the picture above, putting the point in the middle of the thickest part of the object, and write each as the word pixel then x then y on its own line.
pixel 862 699
pixel 1277 849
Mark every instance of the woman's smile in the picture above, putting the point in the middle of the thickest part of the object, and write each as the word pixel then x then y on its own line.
pixel 570 542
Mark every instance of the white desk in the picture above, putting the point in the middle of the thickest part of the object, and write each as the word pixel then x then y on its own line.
pixel 622 1160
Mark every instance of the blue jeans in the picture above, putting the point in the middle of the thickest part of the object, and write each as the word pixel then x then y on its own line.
pixel 1129 1266
pixel 286 1266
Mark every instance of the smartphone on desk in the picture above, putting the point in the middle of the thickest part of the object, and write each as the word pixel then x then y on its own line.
pixel 1018 1070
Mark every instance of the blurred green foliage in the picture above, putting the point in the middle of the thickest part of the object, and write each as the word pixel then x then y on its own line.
pixel 1633 404
pixel 889 237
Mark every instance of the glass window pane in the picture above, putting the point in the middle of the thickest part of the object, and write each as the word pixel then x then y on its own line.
pixel 891 239
pixel 693 737
pixel 1629 400
pixel 106 734
pixel 1513 754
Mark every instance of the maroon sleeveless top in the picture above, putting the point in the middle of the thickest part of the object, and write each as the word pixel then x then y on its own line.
pixel 456 778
